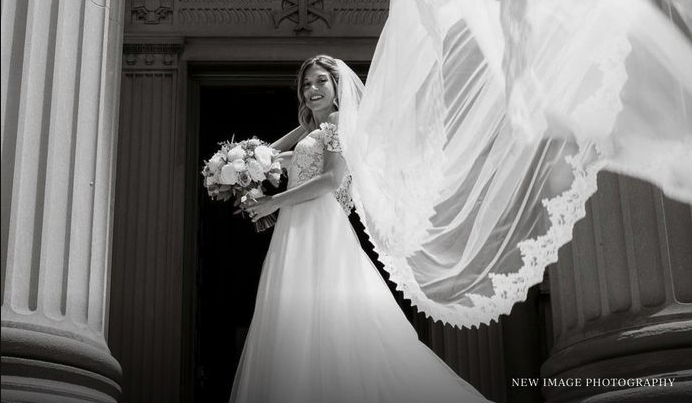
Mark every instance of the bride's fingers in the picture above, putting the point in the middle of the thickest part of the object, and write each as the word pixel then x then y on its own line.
pixel 258 215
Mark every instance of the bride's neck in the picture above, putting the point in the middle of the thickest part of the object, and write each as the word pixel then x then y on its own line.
pixel 322 116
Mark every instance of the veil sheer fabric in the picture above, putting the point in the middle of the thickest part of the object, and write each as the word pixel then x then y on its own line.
pixel 477 139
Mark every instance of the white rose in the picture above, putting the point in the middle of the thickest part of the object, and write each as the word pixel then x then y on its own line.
pixel 238 165
pixel 215 162
pixel 236 153
pixel 228 175
pixel 276 166
pixel 255 170
pixel 263 154
pixel 215 179
pixel 210 180
pixel 254 142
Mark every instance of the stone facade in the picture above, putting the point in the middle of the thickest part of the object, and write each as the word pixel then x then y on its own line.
pixel 89 262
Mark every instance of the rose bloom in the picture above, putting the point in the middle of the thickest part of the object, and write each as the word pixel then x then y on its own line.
pixel 244 178
pixel 210 180
pixel 236 153
pixel 263 154
pixel 239 165
pixel 254 142
pixel 255 170
pixel 228 175
pixel 215 162
pixel 276 177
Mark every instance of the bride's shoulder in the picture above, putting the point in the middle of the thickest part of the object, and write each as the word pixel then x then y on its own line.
pixel 327 130
pixel 331 125
pixel 330 136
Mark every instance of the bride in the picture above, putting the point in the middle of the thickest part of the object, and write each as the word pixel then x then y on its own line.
pixel 469 157
pixel 352 343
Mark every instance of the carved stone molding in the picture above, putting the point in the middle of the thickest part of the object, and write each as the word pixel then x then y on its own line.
pixel 302 13
pixel 362 12
pixel 152 11
pixel 259 17
pixel 151 55
pixel 224 16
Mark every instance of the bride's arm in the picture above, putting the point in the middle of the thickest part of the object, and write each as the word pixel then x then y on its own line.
pixel 328 181
pixel 289 140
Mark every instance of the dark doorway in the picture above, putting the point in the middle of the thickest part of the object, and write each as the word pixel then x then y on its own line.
pixel 230 252
pixel 242 102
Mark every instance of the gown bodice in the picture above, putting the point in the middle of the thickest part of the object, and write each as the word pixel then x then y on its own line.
pixel 308 162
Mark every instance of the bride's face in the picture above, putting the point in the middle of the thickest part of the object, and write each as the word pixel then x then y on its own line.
pixel 318 89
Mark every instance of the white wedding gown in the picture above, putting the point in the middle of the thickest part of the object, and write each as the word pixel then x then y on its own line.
pixel 326 328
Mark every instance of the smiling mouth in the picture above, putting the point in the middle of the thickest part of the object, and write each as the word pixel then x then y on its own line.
pixel 316 97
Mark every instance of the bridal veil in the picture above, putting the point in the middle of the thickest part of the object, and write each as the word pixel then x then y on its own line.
pixel 478 137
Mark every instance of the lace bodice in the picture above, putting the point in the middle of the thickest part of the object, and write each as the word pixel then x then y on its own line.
pixel 308 162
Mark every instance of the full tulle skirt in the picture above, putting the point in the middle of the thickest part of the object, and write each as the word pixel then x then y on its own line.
pixel 326 328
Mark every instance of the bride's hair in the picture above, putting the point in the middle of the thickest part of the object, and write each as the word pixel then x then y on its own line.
pixel 326 62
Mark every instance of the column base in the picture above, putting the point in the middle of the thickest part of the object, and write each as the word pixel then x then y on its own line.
pixel 34 390
pixel 670 365
pixel 45 368
pixel 679 392
pixel 652 350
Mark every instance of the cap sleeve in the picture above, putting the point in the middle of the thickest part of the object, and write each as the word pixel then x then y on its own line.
pixel 331 137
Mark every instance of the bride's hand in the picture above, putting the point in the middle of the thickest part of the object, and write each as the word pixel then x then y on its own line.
pixel 261 207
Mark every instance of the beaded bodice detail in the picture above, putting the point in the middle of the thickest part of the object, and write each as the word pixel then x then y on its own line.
pixel 308 162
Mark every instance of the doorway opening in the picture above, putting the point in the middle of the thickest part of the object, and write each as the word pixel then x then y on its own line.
pixel 240 101
pixel 230 252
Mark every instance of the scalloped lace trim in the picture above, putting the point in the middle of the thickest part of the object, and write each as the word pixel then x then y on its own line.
pixel 563 212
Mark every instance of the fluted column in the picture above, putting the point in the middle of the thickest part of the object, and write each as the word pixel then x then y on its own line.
pixel 622 298
pixel 60 82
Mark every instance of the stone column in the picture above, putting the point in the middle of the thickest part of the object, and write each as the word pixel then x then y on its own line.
pixel 60 86
pixel 622 298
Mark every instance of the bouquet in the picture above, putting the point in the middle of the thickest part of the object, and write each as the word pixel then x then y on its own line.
pixel 238 171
